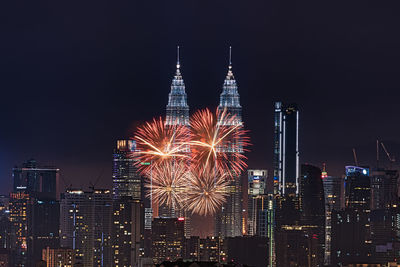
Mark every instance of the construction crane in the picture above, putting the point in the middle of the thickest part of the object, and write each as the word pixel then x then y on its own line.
pixel 355 156
pixel 391 159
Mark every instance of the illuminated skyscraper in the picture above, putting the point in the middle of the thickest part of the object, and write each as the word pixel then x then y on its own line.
pixel 261 212
pixel 286 148
pixel 257 202
pixel 177 108
pixel 229 218
pixel 177 114
pixel 128 210
pixel 126 178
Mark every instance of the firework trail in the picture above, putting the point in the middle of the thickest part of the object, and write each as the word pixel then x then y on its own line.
pixel 206 191
pixel 157 143
pixel 218 141
pixel 168 183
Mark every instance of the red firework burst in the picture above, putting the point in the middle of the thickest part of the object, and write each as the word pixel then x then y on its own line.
pixel 218 140
pixel 157 143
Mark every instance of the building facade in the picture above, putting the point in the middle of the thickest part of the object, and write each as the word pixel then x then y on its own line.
pixel 85 225
pixel 286 148
pixel 33 179
pixel 168 239
pixel 228 221
pixel 257 209
pixel 334 200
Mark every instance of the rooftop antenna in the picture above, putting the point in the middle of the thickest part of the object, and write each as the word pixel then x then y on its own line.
pixel 355 157
pixel 178 65
pixel 230 57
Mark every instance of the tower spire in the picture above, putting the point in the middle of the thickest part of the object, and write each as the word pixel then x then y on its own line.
pixel 230 57
pixel 178 65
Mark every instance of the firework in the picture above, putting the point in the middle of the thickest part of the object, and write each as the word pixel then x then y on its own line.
pixel 167 183
pixel 157 143
pixel 206 191
pixel 218 140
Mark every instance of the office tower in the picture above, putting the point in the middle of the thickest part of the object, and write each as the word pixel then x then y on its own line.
pixel 43 226
pixel 168 239
pixel 257 202
pixel 34 211
pixel 351 232
pixel 312 205
pixel 334 200
pixel 126 178
pixel 128 211
pixel 19 219
pixel 35 180
pixel 177 114
pixel 384 188
pixel 127 230
pixel 5 230
pixel 85 225
pixel 228 221
pixel 286 148
pixel 55 257
pixel 358 188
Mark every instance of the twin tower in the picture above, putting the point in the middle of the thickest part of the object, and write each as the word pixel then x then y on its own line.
pixel 228 221
pixel 178 109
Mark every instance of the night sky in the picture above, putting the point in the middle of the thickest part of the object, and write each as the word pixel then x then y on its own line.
pixel 77 75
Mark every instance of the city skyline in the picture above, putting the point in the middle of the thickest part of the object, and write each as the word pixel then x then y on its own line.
pixel 79 89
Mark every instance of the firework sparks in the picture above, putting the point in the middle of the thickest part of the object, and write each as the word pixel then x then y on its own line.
pixel 206 192
pixel 157 143
pixel 167 183
pixel 218 140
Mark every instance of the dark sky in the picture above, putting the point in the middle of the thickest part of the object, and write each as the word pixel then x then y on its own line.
pixel 77 75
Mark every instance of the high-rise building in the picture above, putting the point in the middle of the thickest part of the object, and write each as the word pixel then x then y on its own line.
pixel 177 114
pixel 5 230
pixel 384 188
pixel 128 212
pixel 286 148
pixel 334 200
pixel 85 225
pixel 127 231
pixel 357 188
pixel 34 212
pixel 20 204
pixel 351 228
pixel 177 108
pixel 257 202
pixel 228 221
pixel 312 205
pixel 126 178
pixel 35 180
pixel 168 239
